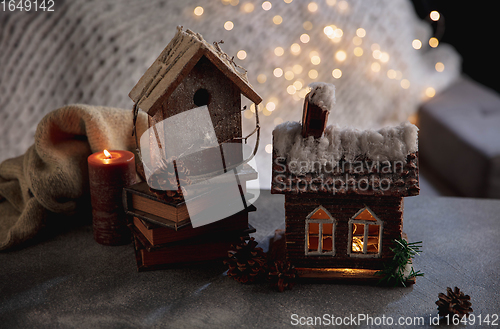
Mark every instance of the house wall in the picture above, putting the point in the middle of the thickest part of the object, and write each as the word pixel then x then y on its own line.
pixel 388 209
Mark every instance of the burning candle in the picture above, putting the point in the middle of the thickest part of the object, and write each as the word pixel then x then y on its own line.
pixel 109 172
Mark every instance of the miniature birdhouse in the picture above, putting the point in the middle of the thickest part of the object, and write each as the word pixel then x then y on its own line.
pixel 194 203
pixel 190 73
pixel 343 193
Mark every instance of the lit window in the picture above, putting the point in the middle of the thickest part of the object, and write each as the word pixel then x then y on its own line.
pixel 320 233
pixel 365 234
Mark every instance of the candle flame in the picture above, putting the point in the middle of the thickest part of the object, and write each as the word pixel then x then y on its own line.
pixel 107 154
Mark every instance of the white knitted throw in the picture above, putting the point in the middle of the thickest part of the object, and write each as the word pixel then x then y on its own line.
pixel 94 52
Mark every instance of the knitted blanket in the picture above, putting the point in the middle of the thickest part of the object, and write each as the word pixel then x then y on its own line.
pixel 52 176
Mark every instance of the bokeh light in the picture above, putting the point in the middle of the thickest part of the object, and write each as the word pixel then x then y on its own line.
pixel 229 25
pixel 198 11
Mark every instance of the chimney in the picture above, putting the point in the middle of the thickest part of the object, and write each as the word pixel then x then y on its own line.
pixel 317 105
pixel 314 119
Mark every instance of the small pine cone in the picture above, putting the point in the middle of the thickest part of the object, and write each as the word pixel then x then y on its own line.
pixel 282 275
pixel 164 183
pixel 246 262
pixel 454 302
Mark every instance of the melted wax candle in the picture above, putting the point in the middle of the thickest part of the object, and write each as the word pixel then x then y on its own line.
pixel 109 172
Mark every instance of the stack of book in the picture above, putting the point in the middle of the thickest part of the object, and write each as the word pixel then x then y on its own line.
pixel 164 236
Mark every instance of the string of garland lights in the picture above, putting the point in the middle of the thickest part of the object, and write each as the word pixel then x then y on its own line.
pixel 309 62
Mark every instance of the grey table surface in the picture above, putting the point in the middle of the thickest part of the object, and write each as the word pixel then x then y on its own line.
pixel 67 280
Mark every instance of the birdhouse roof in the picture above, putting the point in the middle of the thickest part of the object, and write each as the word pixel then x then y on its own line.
pixel 346 161
pixel 176 61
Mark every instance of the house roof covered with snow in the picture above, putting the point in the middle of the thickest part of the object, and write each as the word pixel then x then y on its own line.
pixel 346 161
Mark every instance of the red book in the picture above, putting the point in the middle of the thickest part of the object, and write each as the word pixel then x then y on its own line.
pixel 206 248
pixel 157 235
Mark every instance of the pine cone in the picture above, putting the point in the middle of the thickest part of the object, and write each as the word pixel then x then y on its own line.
pixel 454 302
pixel 163 182
pixel 282 275
pixel 246 262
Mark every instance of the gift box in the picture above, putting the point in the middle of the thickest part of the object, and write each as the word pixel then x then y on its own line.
pixel 459 138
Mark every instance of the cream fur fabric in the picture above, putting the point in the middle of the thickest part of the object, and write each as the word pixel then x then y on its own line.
pixel 94 52
pixel 52 176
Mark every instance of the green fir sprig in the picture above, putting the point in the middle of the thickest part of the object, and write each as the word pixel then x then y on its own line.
pixel 393 272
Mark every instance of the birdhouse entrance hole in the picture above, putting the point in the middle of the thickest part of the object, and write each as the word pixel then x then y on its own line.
pixel 201 97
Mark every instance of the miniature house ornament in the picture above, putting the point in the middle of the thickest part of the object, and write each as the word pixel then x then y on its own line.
pixel 343 190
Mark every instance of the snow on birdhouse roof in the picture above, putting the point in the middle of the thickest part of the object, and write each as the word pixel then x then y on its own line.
pixel 346 160
pixel 176 60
